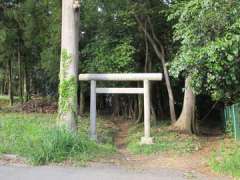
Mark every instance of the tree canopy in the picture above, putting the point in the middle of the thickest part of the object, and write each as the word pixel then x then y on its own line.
pixel 208 34
pixel 191 39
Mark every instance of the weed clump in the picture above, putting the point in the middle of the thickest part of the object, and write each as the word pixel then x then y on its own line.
pixel 226 160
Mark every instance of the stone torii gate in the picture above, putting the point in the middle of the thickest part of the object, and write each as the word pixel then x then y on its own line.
pixel 145 77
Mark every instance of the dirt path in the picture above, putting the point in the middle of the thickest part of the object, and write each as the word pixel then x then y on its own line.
pixel 121 138
pixel 123 157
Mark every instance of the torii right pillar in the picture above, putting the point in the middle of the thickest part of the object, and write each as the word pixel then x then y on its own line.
pixel 147 139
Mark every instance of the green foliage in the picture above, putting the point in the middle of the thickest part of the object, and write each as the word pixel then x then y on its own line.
pixel 2 35
pixel 164 141
pixel 110 38
pixel 50 54
pixel 33 28
pixel 36 138
pixel 107 55
pixel 209 37
pixel 226 160
pixel 111 41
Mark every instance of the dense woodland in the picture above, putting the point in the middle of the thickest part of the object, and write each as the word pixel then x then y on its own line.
pixel 195 44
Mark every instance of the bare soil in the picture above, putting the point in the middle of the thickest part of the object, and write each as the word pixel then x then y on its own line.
pixel 14 160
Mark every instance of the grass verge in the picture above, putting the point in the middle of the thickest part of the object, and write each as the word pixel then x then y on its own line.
pixel 35 137
pixel 164 140
pixel 226 160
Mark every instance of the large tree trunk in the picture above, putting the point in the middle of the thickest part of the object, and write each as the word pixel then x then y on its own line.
pixel 69 64
pixel 10 88
pixel 186 120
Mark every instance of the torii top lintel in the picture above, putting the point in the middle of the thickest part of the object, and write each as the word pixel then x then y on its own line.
pixel 122 77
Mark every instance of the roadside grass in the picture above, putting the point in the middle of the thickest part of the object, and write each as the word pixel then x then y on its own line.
pixel 36 138
pixel 226 160
pixel 164 141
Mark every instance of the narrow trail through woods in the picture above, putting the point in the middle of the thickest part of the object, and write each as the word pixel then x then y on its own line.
pixel 121 140
pixel 123 156
pixel 121 134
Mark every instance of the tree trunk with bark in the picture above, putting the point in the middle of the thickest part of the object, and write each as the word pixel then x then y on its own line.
pixel 186 121
pixel 82 100
pixel 116 106
pixel 140 106
pixel 3 86
pixel 10 88
pixel 69 64
pixel 20 77
pixel 6 86
pixel 25 83
pixel 135 108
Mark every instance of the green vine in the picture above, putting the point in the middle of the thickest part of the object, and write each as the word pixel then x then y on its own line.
pixel 67 86
pixel 67 90
pixel 66 59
